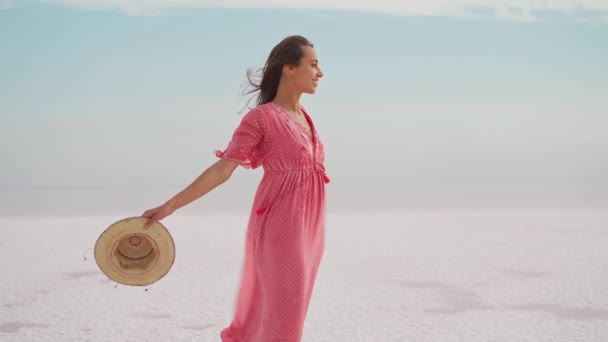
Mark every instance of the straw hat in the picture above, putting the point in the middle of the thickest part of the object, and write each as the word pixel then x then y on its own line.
pixel 131 255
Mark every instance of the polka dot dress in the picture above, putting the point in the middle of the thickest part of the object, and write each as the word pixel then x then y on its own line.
pixel 286 229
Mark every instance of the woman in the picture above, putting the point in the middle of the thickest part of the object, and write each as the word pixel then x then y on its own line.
pixel 286 228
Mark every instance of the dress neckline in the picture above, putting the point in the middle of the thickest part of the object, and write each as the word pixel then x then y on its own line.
pixel 306 116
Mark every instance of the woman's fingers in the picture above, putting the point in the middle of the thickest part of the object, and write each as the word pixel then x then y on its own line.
pixel 151 214
pixel 150 222
pixel 154 215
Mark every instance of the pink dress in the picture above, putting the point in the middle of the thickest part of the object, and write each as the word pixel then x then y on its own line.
pixel 286 229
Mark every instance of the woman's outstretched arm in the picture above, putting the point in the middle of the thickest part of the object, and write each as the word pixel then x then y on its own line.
pixel 211 178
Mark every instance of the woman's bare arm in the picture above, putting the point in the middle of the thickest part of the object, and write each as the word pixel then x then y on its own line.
pixel 211 178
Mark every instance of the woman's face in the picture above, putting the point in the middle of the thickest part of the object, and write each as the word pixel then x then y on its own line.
pixel 306 75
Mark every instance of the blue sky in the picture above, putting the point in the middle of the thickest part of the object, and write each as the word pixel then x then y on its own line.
pixel 137 95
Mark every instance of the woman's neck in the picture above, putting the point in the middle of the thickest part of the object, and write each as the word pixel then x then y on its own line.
pixel 289 101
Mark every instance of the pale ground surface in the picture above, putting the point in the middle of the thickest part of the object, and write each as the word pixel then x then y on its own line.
pixel 419 276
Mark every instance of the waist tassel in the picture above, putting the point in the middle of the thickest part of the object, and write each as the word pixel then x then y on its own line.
pixel 321 170
pixel 260 210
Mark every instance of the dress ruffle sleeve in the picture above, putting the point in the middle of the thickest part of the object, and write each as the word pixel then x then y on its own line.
pixel 245 145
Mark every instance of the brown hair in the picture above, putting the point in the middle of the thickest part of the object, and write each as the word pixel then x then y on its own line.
pixel 288 52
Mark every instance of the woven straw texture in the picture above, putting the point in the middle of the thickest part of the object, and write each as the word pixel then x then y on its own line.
pixel 131 255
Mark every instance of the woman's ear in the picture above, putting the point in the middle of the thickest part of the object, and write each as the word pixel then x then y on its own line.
pixel 288 69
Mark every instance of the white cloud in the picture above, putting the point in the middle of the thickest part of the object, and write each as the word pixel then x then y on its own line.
pixel 506 9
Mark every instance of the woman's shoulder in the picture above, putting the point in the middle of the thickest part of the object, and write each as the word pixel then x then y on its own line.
pixel 255 112
pixel 271 109
pixel 266 110
pixel 261 115
pixel 267 107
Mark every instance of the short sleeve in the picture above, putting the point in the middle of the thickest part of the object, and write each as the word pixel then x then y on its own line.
pixel 244 147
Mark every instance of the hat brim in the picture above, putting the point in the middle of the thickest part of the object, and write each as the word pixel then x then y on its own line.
pixel 157 234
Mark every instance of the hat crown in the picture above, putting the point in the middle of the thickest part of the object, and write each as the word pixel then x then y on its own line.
pixel 134 247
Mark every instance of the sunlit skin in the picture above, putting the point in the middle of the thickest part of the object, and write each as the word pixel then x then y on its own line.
pixel 296 80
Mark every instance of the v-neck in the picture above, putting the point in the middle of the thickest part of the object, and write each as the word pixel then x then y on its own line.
pixel 308 119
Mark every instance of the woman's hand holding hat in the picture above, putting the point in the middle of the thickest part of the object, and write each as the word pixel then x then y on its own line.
pixel 157 214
